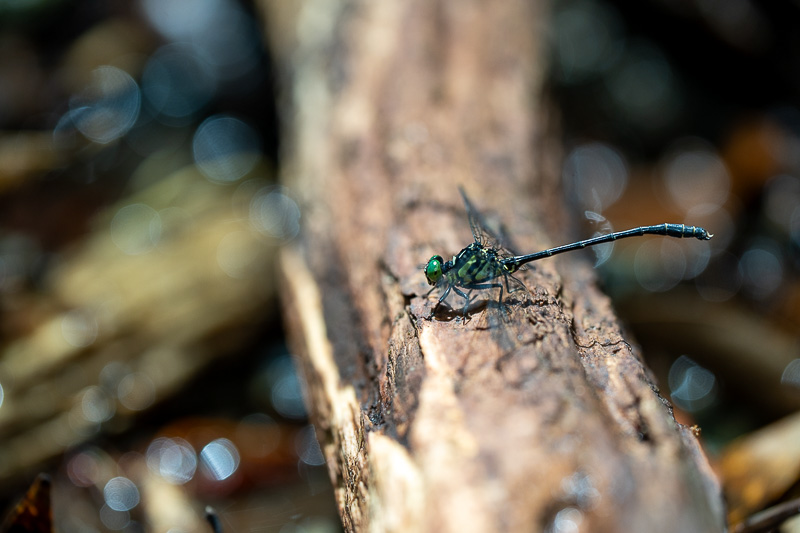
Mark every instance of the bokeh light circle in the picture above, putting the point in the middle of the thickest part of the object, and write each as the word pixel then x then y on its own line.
pixel 273 212
pixel 308 448
pixel 136 228
pixel 595 175
pixel 136 391
pixel 173 459
pixel 219 459
pixel 121 494
pixel 692 386
pixel 225 148
pixel 96 405
pixel 659 265
pixel 761 269
pixel 109 106
pixel 79 327
pixel 696 178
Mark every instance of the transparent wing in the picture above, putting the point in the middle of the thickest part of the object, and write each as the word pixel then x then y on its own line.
pixel 477 224
pixel 602 226
pixel 503 319
pixel 480 230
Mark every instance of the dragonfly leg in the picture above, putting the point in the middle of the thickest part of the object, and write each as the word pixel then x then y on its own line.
pixel 445 293
pixel 517 284
pixel 513 284
pixel 441 298
pixel 467 299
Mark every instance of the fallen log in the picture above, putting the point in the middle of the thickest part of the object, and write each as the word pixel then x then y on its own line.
pixel 433 422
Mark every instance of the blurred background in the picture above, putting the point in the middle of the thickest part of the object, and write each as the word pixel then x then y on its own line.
pixel 143 363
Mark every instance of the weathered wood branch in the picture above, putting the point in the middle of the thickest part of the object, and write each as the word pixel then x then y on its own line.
pixel 435 425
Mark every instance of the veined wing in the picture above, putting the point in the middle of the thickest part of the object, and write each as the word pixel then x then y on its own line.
pixel 480 230
pixel 477 224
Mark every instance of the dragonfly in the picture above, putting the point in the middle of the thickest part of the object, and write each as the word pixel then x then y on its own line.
pixel 487 264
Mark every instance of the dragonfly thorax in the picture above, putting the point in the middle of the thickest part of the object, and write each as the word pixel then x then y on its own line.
pixel 477 264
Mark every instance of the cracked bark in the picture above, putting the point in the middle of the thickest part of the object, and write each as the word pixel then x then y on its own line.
pixel 442 424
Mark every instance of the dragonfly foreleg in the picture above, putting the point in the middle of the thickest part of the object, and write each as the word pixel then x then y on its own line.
pixel 441 298
pixel 445 294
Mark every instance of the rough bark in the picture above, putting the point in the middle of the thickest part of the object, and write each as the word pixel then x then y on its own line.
pixel 436 424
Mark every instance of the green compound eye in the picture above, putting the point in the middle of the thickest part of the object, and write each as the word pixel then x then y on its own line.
pixel 433 270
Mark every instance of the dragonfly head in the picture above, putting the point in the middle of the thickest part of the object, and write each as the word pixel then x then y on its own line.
pixel 433 270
